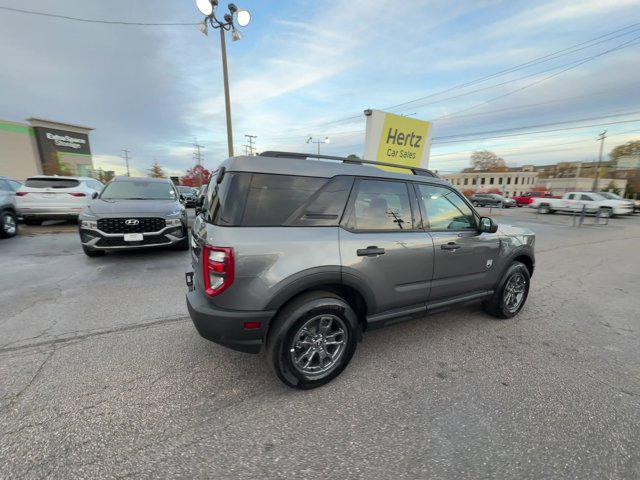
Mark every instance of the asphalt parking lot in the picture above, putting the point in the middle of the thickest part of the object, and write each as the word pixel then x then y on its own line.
pixel 102 375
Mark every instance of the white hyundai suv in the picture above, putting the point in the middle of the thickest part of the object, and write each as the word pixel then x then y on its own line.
pixel 54 198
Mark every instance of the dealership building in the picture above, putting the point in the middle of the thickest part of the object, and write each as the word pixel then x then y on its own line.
pixel 44 147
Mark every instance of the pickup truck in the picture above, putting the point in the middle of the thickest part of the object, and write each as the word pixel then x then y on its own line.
pixel 527 198
pixel 573 202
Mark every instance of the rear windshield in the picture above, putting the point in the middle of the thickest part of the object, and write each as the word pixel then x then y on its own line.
pixel 267 200
pixel 51 183
pixel 138 190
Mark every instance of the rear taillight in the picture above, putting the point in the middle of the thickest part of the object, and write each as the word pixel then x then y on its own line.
pixel 217 269
pixel 77 194
pixel 21 194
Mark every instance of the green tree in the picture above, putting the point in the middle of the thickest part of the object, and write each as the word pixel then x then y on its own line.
pixel 105 176
pixel 156 171
pixel 486 161
pixel 353 156
pixel 611 188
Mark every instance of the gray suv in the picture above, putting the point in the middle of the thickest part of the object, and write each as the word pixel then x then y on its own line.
pixel 133 212
pixel 302 256
pixel 8 211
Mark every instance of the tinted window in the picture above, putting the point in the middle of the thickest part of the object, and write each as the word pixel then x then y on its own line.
pixel 138 190
pixel 381 205
pixel 51 183
pixel 4 186
pixel 586 198
pixel 325 208
pixel 257 199
pixel 445 209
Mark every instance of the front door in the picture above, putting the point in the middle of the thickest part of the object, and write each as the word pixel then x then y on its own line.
pixel 465 260
pixel 382 247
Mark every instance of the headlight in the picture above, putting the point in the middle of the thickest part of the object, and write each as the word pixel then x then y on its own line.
pixel 174 222
pixel 89 224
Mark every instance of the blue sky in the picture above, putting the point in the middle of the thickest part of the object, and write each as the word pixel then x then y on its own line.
pixel 302 65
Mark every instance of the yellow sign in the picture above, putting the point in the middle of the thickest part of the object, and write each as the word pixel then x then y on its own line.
pixel 397 139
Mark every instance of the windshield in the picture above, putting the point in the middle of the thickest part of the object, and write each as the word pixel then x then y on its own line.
pixel 138 190
pixel 610 196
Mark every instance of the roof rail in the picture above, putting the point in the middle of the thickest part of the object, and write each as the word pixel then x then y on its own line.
pixel 303 156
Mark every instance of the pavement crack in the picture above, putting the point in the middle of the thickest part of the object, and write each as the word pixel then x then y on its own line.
pixel 76 336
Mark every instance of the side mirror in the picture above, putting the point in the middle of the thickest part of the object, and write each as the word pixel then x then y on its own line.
pixel 488 225
pixel 94 195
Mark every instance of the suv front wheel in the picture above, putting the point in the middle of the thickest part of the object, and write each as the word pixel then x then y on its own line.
pixel 312 339
pixel 511 293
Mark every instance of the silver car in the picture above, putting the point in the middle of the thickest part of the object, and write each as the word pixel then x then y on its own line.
pixel 302 256
pixel 52 197
pixel 8 210
pixel 131 213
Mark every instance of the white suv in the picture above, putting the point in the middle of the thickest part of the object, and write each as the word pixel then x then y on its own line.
pixel 52 197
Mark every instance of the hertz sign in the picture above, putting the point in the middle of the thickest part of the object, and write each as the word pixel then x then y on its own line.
pixel 396 139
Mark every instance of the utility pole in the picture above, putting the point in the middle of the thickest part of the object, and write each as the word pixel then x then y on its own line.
pixel 126 160
pixel 601 137
pixel 250 140
pixel 198 157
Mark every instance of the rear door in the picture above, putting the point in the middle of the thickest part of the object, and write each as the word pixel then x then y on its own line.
pixel 465 259
pixel 383 246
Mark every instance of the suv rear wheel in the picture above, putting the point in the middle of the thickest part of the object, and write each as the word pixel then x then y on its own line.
pixel 511 294
pixel 312 339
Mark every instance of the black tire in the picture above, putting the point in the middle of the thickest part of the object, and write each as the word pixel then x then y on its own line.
pixel 32 221
pixel 92 252
pixel 288 324
pixel 497 304
pixel 182 245
pixel 544 209
pixel 8 224
pixel 605 212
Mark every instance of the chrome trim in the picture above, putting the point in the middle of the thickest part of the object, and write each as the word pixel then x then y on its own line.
pixel 105 234
pixel 172 240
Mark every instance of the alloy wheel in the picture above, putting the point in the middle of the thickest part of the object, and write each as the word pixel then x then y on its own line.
pixel 9 224
pixel 514 292
pixel 319 344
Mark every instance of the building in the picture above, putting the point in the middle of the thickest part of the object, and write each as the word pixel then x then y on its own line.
pixel 514 181
pixel 44 147
pixel 562 185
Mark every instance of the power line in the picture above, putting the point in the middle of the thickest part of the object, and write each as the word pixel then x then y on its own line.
pixel 250 140
pixel 90 20
pixel 542 59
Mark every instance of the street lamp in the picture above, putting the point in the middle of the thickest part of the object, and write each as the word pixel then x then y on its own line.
pixel 318 142
pixel 243 17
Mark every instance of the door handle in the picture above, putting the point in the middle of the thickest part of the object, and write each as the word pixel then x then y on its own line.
pixel 370 251
pixel 453 246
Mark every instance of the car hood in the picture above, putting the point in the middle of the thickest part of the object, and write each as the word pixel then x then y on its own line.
pixel 141 207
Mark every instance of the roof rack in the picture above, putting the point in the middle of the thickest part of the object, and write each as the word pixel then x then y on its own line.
pixel 303 156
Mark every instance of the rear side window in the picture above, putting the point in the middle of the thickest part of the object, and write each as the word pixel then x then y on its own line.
pixel 382 206
pixel 267 200
pixel 51 183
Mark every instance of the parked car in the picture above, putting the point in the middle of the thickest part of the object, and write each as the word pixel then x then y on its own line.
pixel 302 256
pixel 134 213
pixel 635 206
pixel 527 198
pixel 591 202
pixel 53 198
pixel 8 210
pixel 202 194
pixel 491 200
pixel 189 195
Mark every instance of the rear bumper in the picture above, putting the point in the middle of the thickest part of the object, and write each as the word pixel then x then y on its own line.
pixel 226 327
pixel 50 212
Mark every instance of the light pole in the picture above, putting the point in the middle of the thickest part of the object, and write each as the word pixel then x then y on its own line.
pixel 318 142
pixel 243 17
pixel 601 138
